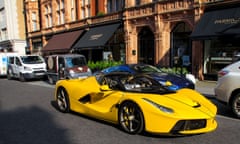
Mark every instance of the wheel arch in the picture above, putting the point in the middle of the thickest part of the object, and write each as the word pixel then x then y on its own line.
pixel 67 97
pixel 130 100
pixel 59 88
pixel 233 94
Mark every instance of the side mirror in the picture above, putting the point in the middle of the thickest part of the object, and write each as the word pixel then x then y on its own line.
pixel 105 88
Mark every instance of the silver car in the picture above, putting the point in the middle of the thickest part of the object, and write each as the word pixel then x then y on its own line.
pixel 227 89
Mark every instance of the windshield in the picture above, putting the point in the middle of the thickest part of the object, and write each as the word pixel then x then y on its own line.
pixel 140 83
pixel 146 68
pixel 32 59
pixel 75 62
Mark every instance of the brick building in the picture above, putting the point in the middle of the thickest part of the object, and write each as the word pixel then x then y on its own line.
pixel 12 27
pixel 157 32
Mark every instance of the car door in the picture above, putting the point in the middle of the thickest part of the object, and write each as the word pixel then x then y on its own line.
pixel 104 104
pixel 17 67
pixel 61 68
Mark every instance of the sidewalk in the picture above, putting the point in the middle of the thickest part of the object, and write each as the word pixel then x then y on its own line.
pixel 206 87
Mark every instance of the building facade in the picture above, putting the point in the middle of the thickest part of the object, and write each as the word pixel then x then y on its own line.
pixel 12 24
pixel 216 36
pixel 157 32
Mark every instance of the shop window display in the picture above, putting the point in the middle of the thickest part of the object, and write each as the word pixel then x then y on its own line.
pixel 219 53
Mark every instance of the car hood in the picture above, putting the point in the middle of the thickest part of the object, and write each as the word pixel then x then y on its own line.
pixel 177 80
pixel 186 102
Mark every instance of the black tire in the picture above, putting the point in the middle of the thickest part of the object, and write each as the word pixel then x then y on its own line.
pixel 50 80
pixel 235 105
pixel 130 118
pixel 9 74
pixel 22 78
pixel 63 100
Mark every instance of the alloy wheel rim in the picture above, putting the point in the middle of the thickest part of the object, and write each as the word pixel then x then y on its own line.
pixel 130 119
pixel 237 106
pixel 61 99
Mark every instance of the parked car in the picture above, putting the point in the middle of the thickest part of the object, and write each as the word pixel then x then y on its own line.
pixel 4 62
pixel 227 89
pixel 177 81
pixel 137 103
pixel 66 66
pixel 26 67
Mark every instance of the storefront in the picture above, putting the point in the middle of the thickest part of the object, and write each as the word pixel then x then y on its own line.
pixel 101 43
pixel 61 43
pixel 219 31
pixel 181 47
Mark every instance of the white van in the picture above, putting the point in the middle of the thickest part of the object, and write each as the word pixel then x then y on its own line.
pixel 26 67
pixel 4 62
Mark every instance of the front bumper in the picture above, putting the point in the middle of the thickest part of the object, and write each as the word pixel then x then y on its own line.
pixel 185 127
pixel 194 126
pixel 34 75
pixel 80 75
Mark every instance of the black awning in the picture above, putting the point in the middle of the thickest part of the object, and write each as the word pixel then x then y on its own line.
pixel 218 23
pixel 96 36
pixel 62 42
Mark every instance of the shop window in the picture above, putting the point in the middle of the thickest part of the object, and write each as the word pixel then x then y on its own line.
pixel 219 53
pixel 181 46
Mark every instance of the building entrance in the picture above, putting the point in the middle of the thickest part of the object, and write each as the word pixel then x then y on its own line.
pixel 146 46
pixel 181 46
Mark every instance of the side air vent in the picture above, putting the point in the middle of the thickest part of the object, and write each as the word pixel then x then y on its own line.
pixel 85 99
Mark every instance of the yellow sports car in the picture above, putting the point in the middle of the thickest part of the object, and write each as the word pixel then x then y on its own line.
pixel 137 103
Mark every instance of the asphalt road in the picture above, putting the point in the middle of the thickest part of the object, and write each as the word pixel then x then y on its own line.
pixel 28 116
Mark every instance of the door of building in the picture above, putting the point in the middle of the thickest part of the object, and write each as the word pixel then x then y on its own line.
pixel 146 46
pixel 181 47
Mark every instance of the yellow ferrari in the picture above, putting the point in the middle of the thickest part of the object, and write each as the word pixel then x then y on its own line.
pixel 137 103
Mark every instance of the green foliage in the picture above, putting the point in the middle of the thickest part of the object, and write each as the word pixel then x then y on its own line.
pixel 175 70
pixel 100 13
pixel 99 65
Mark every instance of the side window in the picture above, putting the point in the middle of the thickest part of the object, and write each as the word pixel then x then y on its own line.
pixel 11 60
pixel 18 62
pixel 61 63
pixel 112 82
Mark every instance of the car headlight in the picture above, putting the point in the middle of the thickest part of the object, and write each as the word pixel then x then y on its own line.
pixel 162 108
pixel 71 72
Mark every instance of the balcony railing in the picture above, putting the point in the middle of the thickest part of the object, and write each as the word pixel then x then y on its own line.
pixel 159 7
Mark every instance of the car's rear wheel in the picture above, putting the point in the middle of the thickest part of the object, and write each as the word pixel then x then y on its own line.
pixel 63 100
pixel 236 105
pixel 50 80
pixel 131 118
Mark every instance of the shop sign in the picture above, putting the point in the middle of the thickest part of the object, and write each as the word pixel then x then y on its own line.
pixel 227 21
pixel 96 36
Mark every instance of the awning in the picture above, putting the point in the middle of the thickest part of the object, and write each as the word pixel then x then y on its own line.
pixel 62 42
pixel 96 36
pixel 217 23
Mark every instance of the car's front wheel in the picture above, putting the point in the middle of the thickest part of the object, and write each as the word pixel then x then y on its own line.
pixel 9 74
pixel 131 118
pixel 22 78
pixel 63 100
pixel 50 80
pixel 236 105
